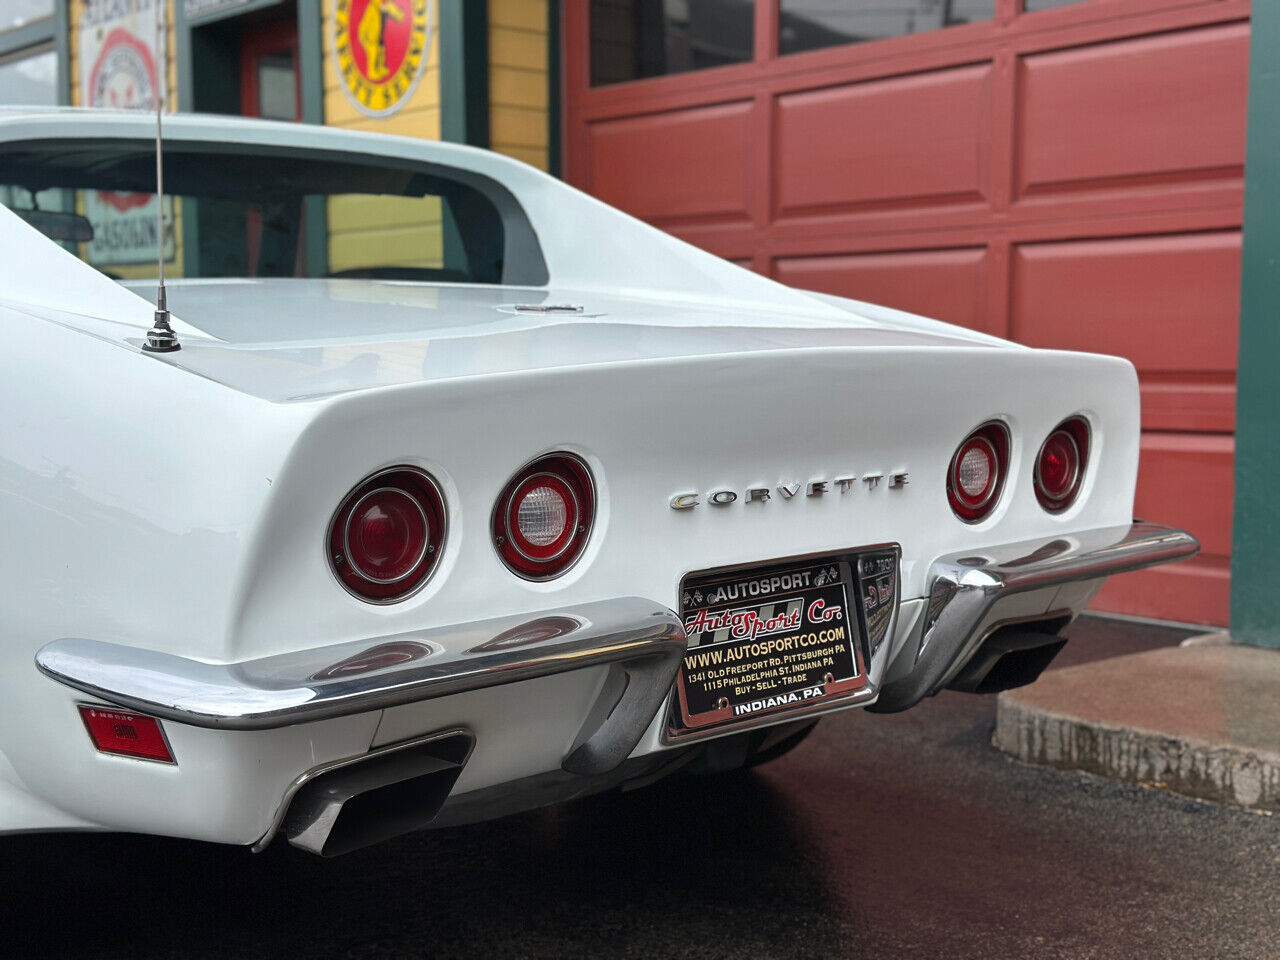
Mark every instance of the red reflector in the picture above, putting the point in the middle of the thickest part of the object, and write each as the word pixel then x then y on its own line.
pixel 125 733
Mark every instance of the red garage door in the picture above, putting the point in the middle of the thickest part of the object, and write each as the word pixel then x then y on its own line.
pixel 1068 175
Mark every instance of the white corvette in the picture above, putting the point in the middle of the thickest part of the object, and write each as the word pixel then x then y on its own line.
pixel 466 493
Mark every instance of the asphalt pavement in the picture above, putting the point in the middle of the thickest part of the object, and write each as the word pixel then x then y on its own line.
pixel 905 836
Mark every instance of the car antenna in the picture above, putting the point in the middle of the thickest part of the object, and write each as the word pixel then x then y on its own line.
pixel 161 338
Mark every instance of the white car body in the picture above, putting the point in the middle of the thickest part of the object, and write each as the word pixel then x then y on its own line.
pixel 164 515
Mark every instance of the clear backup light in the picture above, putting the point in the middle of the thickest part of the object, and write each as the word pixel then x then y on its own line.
pixel 1060 465
pixel 543 517
pixel 388 535
pixel 977 472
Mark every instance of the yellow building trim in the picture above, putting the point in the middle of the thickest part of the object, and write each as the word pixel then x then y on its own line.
pixel 416 236
pixel 518 81
pixel 528 15
pixel 516 87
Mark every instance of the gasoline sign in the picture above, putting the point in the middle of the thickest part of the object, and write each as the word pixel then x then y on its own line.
pixel 380 48
pixel 118 70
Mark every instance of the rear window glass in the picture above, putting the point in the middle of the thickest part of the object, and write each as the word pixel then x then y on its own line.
pixel 236 212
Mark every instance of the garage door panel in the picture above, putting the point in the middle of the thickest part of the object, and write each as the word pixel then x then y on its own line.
pixel 1187 480
pixel 1184 480
pixel 685 163
pixel 1193 591
pixel 1200 402
pixel 1160 108
pixel 902 140
pixel 944 284
pixel 1167 303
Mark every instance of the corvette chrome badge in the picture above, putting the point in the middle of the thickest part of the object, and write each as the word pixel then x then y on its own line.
pixel 894 480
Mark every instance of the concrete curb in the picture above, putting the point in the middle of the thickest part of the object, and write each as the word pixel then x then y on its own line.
pixel 1197 720
pixel 1209 771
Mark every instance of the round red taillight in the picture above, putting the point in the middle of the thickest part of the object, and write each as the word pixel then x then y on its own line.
pixel 543 517
pixel 1060 465
pixel 388 535
pixel 976 475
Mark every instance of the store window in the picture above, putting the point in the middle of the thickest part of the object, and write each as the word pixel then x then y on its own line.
pixel 20 13
pixel 814 24
pixel 632 39
pixel 29 78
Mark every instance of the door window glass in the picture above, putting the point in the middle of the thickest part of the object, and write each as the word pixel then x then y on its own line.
pixel 631 39
pixel 236 211
pixel 813 24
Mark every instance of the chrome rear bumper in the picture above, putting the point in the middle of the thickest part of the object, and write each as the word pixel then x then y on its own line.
pixel 972 593
pixel 640 640
pixel 352 799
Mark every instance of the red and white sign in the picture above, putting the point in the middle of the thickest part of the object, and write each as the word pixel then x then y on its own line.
pixel 118 71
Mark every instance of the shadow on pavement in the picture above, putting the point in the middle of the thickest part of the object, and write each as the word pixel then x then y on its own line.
pixel 714 867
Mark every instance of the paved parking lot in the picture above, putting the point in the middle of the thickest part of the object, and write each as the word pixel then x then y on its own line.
pixel 905 836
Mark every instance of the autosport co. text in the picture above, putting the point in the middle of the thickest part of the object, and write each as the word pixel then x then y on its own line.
pixel 746 623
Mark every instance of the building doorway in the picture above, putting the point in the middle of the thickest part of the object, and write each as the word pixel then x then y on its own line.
pixel 269 85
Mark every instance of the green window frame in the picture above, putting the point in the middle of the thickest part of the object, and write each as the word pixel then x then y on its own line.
pixel 40 36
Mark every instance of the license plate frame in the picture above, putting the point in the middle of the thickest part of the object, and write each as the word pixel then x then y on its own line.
pixel 771 680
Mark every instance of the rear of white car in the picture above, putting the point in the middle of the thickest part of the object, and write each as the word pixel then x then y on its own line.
pixel 179 533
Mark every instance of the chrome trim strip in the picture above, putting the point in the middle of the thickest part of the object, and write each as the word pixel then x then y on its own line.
pixel 639 637
pixel 965 588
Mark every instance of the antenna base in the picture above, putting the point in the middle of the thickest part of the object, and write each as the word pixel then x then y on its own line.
pixel 161 338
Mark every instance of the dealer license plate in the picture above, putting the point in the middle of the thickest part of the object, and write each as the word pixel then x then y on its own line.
pixel 769 639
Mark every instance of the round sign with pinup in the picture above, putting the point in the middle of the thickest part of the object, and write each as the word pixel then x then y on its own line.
pixel 380 48
pixel 124 74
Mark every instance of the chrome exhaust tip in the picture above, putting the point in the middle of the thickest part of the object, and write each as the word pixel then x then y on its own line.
pixel 1013 656
pixel 381 795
